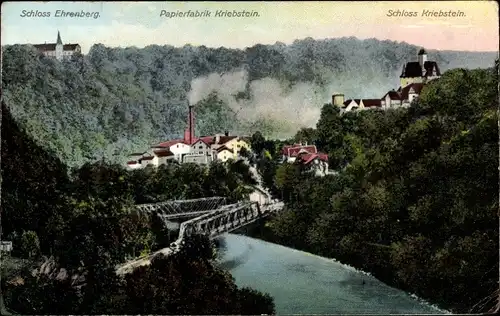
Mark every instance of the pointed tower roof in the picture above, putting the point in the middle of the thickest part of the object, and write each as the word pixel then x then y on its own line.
pixel 422 52
pixel 58 38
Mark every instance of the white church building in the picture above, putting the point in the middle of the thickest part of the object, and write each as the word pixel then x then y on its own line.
pixel 58 50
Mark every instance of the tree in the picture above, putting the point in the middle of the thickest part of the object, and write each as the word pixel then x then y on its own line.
pixel 257 143
pixel 34 182
pixel 328 130
pixel 30 245
pixel 188 283
pixel 404 205
pixel 306 136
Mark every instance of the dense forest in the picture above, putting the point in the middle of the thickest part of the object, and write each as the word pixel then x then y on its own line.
pixel 115 101
pixel 72 227
pixel 415 201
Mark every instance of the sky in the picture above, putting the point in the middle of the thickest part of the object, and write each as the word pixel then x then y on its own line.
pixel 123 24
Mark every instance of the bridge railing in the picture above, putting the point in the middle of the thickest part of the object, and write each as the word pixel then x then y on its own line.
pixel 221 221
pixel 183 206
pixel 199 214
pixel 227 220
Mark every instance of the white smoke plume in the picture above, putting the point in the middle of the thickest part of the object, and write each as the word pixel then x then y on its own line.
pixel 224 84
pixel 290 108
pixel 297 107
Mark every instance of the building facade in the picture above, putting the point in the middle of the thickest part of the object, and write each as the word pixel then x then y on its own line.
pixel 224 153
pixel 413 79
pixel 177 146
pixel 58 50
pixel 314 163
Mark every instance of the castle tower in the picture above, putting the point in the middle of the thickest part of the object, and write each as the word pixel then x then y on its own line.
pixel 59 47
pixel 422 59
pixel 338 100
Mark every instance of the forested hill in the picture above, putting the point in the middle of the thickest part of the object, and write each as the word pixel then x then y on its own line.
pixel 114 101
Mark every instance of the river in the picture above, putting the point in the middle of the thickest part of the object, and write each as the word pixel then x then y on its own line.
pixel 302 283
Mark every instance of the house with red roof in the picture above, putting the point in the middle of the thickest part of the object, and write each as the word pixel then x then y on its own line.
pixel 316 163
pixel 308 156
pixel 164 155
pixel 219 147
pixel 192 149
pixel 159 156
pixel 291 152
pixel 201 151
pixel 178 147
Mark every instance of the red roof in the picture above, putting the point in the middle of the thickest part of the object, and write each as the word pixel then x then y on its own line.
pixel 208 140
pixel 308 158
pixel 285 148
pixel 133 162
pixel 293 150
pixel 147 158
pixel 170 143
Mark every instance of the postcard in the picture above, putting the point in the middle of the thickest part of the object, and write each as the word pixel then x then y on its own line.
pixel 249 157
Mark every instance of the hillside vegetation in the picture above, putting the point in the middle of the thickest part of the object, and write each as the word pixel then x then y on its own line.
pixel 416 198
pixel 115 101
pixel 86 223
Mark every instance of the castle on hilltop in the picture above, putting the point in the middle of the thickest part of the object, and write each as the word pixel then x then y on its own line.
pixel 420 71
pixel 58 50
pixel 413 78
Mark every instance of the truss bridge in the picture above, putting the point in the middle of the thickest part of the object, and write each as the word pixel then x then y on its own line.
pixel 212 217
pixel 179 209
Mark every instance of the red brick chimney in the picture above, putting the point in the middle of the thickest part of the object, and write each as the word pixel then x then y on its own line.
pixel 191 123
pixel 189 132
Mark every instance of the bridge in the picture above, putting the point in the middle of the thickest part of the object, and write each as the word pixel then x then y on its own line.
pixel 211 216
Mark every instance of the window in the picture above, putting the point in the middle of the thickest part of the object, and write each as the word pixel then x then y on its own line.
pixel 239 146
pixel 177 145
pixel 200 152
pixel 200 147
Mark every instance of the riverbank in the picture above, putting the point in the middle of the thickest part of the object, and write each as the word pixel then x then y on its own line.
pixel 375 269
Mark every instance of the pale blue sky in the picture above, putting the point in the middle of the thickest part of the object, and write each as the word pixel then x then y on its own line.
pixel 139 24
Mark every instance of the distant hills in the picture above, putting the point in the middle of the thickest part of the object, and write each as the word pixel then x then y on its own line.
pixel 114 101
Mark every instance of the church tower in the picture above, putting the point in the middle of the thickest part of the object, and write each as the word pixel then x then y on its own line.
pixel 59 47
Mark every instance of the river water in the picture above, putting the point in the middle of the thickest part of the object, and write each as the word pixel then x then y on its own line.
pixel 303 283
